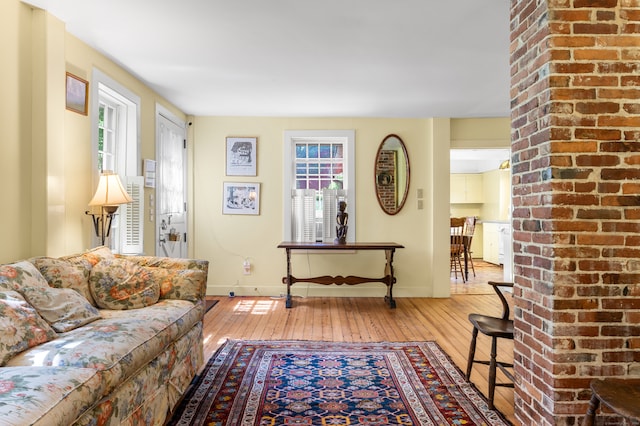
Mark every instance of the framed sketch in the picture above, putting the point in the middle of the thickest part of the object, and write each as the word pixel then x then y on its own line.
pixel 77 94
pixel 241 156
pixel 241 198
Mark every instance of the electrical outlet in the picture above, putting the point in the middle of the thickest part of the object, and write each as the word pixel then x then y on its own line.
pixel 246 267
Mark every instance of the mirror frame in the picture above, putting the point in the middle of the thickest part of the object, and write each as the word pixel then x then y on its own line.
pixel 380 178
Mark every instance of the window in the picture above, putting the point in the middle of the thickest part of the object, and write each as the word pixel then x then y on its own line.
pixel 107 113
pixel 319 172
pixel 115 114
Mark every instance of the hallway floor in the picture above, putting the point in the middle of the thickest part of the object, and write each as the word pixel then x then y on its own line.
pixel 485 272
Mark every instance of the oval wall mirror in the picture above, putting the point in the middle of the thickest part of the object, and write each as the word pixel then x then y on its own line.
pixel 392 174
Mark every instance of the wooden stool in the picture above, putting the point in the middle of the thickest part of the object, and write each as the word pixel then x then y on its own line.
pixel 496 328
pixel 622 396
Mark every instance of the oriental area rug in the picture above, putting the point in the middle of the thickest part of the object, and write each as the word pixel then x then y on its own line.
pixel 331 383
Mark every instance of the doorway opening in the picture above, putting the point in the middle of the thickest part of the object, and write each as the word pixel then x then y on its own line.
pixel 480 186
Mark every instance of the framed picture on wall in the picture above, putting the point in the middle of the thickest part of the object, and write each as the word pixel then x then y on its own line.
pixel 241 156
pixel 241 198
pixel 77 94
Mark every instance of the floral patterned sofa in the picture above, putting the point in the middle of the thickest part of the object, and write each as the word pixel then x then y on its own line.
pixel 98 339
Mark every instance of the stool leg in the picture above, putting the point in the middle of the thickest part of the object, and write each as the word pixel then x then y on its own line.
pixel 492 371
pixel 472 352
pixel 589 419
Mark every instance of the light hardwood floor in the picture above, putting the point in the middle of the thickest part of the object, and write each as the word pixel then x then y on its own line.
pixel 363 320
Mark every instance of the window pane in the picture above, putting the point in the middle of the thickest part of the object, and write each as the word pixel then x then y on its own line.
pixel 313 150
pixel 101 116
pixel 325 168
pixel 325 151
pixel 337 151
pixel 100 139
pixel 301 151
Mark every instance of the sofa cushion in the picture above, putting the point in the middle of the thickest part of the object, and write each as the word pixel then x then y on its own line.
pixel 47 395
pixel 118 344
pixel 90 257
pixel 63 308
pixel 22 327
pixel 183 284
pixel 66 274
pixel 120 284
pixel 20 274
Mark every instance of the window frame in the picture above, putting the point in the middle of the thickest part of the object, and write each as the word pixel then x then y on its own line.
pixel 347 137
pixel 126 105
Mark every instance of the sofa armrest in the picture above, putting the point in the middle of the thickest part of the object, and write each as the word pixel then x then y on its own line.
pixel 184 279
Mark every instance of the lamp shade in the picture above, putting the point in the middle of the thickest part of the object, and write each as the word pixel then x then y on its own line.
pixel 110 191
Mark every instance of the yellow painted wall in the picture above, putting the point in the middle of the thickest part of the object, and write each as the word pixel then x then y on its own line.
pixel 80 60
pixel 15 122
pixel 46 175
pixel 227 240
pixel 481 132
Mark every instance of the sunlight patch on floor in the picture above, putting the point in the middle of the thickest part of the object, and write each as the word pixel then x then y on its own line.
pixel 255 307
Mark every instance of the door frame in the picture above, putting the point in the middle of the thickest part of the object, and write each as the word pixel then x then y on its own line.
pixel 164 113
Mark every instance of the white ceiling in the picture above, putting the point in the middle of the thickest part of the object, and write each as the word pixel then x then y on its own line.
pixel 477 160
pixel 307 58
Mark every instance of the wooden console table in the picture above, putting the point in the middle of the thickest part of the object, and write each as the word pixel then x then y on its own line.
pixel 388 279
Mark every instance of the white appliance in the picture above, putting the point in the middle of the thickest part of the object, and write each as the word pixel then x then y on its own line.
pixel 506 253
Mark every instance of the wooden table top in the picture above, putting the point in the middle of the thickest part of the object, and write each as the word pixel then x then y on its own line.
pixel 334 246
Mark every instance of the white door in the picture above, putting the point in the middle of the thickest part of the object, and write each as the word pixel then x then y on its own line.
pixel 171 191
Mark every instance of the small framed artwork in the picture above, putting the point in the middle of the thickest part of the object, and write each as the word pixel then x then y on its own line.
pixel 241 156
pixel 241 198
pixel 77 94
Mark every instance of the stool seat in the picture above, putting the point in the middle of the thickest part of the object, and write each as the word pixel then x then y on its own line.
pixel 492 326
pixel 621 396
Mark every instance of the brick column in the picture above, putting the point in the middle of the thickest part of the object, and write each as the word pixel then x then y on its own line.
pixel 575 97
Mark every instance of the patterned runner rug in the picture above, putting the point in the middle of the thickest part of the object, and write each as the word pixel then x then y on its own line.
pixel 330 383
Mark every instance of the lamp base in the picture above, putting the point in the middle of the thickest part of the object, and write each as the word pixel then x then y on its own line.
pixel 102 221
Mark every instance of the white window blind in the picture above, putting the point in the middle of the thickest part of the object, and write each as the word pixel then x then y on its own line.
pixel 303 212
pixel 132 214
pixel 330 200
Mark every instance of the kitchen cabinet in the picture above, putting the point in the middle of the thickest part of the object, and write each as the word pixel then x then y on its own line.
pixel 466 188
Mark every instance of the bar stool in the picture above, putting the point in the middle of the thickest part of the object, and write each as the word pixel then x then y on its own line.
pixel 622 396
pixel 496 328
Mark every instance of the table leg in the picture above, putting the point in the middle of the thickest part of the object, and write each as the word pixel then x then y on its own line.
pixel 391 279
pixel 288 301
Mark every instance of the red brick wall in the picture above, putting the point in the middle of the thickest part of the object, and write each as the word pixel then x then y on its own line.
pixel 575 91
